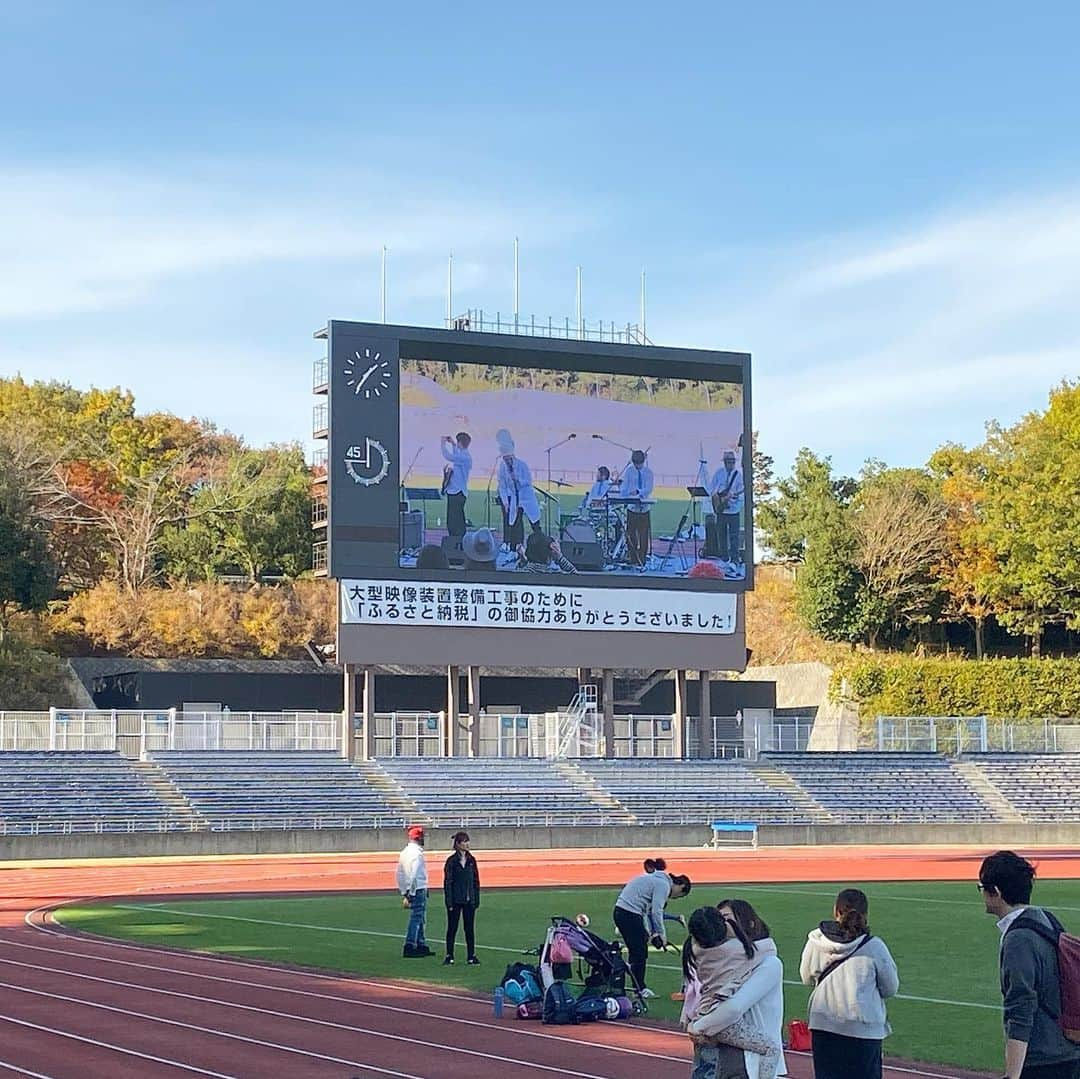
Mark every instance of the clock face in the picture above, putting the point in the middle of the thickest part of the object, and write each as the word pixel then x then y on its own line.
pixel 367 374
pixel 367 465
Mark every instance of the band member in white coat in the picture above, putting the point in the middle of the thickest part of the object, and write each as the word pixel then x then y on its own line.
pixel 595 495
pixel 516 492
pixel 455 484
pixel 637 482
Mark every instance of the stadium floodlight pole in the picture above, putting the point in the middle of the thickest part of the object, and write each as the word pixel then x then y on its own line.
pixel 580 324
pixel 382 289
pixel 450 291
pixel 643 302
pixel 517 287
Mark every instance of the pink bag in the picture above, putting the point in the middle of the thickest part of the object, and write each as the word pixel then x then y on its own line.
pixel 691 999
pixel 560 951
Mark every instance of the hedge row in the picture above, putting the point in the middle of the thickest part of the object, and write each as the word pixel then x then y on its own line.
pixel 1003 688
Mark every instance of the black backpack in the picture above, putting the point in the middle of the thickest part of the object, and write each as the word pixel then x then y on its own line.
pixel 559 1005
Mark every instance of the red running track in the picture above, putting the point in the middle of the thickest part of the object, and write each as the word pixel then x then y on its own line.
pixel 74 1007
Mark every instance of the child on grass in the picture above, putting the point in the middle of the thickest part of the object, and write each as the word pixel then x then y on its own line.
pixel 718 957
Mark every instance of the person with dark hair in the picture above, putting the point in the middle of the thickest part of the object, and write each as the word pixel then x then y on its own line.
pixel 653 864
pixel 853 975
pixel 461 890
pixel 455 484
pixel 1035 1047
pixel 637 483
pixel 717 958
pixel 432 557
pixel 542 554
pixel 639 917
pixel 759 999
pixel 596 494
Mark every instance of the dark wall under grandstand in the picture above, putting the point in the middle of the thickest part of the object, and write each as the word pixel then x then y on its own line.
pixel 274 686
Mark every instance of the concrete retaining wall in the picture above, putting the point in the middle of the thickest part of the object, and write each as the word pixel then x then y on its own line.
pixel 190 844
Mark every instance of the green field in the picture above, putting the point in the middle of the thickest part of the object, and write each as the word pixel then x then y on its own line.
pixel 945 946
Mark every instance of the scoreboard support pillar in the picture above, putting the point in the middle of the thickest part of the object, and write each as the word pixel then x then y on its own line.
pixel 368 733
pixel 607 703
pixel 678 724
pixel 453 710
pixel 705 732
pixel 348 714
pixel 474 711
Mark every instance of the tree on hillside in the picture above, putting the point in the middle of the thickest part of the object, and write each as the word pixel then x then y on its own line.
pixel 898 520
pixel 1032 516
pixel 968 570
pixel 270 528
pixel 763 478
pixel 27 571
pixel 804 504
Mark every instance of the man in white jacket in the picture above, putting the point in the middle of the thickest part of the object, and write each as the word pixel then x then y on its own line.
pixel 412 882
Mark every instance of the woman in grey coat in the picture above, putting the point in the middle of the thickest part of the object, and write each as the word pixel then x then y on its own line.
pixel 853 975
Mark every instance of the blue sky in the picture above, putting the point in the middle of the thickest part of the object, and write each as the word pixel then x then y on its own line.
pixel 883 206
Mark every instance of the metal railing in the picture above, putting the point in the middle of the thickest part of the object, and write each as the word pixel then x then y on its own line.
pixel 319 512
pixel 320 374
pixel 318 557
pixel 319 421
pixel 567 330
pixel 134 734
pixel 956 735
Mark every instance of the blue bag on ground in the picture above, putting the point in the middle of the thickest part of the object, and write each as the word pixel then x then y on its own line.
pixel 559 1008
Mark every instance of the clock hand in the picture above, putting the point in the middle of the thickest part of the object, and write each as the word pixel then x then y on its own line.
pixel 366 376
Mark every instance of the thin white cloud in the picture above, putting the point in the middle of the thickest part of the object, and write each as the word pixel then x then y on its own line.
pixel 83 240
pixel 891 343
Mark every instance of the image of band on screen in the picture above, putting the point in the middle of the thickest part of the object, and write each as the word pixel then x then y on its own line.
pixel 615 475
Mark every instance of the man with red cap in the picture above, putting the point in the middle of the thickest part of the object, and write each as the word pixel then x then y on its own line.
pixel 412 882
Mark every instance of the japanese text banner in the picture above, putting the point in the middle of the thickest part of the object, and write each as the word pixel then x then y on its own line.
pixel 535 606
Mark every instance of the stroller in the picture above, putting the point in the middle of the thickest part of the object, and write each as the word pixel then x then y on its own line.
pixel 601 965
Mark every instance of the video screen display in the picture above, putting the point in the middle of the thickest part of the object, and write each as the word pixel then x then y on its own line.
pixel 529 470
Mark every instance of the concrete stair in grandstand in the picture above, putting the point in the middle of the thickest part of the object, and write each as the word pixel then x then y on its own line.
pixel 590 789
pixel 813 810
pixel 392 792
pixel 1002 808
pixel 631 691
pixel 169 793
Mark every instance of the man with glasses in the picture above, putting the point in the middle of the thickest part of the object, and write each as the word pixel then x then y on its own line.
pixel 1035 1047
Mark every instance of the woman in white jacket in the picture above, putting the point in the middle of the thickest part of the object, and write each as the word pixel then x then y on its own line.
pixel 760 998
pixel 853 975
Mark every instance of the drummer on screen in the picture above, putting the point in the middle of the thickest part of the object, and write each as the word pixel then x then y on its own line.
pixel 637 482
pixel 594 497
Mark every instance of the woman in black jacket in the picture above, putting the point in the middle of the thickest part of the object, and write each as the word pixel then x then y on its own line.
pixel 461 889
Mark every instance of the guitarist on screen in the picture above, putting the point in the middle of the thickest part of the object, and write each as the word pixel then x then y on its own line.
pixel 727 492
pixel 455 484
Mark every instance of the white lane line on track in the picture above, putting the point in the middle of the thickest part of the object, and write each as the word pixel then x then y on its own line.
pixel 876 896
pixel 108 1045
pixel 486 947
pixel 442 1046
pixel 6 1067
pixel 43 927
pixel 333 998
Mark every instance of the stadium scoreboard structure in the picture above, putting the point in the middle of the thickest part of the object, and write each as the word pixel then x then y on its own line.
pixel 636 458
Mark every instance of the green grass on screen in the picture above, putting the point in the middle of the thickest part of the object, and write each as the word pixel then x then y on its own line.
pixel 945 946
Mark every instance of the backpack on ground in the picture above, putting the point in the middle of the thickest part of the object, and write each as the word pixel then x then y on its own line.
pixel 589 1009
pixel 1068 953
pixel 559 1004
pixel 521 983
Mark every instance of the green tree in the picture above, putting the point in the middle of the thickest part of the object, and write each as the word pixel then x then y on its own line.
pixel 27 571
pixel 804 505
pixel 266 525
pixel 1032 516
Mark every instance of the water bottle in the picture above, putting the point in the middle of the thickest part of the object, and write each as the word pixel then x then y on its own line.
pixel 498 1002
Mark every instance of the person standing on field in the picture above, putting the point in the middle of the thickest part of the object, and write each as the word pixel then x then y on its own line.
pixel 1035 1046
pixel 412 882
pixel 853 975
pixel 461 890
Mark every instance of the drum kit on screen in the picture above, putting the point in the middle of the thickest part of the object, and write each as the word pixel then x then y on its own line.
pixel 602 522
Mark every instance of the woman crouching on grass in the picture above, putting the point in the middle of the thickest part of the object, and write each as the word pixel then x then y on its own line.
pixel 461 890
pixel 853 974
pixel 718 957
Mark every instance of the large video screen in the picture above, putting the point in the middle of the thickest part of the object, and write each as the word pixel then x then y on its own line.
pixel 524 470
